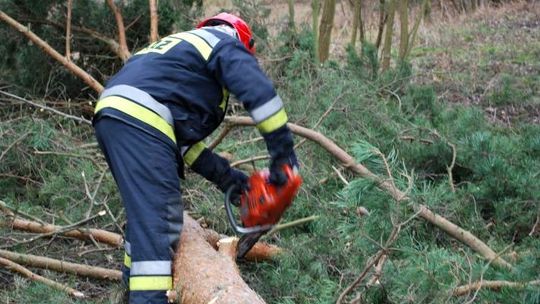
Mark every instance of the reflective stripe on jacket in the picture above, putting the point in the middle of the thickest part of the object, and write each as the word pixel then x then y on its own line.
pixel 192 72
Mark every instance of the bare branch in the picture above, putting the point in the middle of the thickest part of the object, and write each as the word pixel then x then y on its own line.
pixel 61 266
pixel 496 285
pixel 35 277
pixel 79 119
pixel 121 30
pixel 87 78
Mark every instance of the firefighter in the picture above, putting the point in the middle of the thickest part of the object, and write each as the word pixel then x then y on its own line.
pixel 152 118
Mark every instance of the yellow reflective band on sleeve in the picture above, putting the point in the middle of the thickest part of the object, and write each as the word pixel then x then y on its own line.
pixel 127 260
pixel 274 122
pixel 150 283
pixel 137 111
pixel 199 43
pixel 193 153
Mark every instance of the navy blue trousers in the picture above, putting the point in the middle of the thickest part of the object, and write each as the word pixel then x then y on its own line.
pixel 144 164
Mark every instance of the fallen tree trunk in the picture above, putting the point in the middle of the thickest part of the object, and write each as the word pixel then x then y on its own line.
pixel 203 275
pixel 61 266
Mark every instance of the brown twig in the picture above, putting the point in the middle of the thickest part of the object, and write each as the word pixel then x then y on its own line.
pixel 35 277
pixel 384 251
pixel 226 129
pixel 61 266
pixel 87 78
pixel 249 160
pixel 79 119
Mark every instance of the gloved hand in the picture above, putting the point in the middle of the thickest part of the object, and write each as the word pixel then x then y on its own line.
pixel 238 180
pixel 281 149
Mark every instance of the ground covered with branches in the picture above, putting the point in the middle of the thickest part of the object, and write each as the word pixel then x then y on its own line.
pixel 456 130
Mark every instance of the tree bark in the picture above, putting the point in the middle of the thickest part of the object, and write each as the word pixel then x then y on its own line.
pixel 389 30
pixel 356 22
pixel 292 26
pixel 382 18
pixel 203 275
pixel 315 6
pixel 61 266
pixel 77 71
pixel 154 35
pixel 101 236
pixel 325 33
pixel 121 30
pixel 68 29
pixel 35 277
pixel 414 31
pixel 404 28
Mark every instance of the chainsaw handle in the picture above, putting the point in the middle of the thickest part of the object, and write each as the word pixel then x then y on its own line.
pixel 230 216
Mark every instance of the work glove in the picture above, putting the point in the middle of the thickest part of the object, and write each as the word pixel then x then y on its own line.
pixel 236 179
pixel 280 146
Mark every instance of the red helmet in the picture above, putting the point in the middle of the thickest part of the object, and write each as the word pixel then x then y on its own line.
pixel 241 27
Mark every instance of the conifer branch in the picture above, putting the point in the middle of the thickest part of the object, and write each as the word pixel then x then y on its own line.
pixel 349 162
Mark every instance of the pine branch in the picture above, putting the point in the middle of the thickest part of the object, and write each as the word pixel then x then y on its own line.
pixel 349 162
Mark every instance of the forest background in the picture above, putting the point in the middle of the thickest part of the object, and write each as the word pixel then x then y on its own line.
pixel 438 100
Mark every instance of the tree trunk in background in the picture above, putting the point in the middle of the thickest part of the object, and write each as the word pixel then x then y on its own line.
pixel 292 26
pixel 154 19
pixel 382 17
pixel 389 29
pixel 315 6
pixel 404 28
pixel 357 22
pixel 414 31
pixel 327 23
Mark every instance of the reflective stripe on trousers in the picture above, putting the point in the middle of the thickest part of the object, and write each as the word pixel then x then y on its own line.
pixel 144 168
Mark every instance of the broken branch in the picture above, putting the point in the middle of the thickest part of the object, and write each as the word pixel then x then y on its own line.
pixel 349 162
pixel 496 285
pixel 61 266
pixel 89 80
pixel 122 41
pixel 35 277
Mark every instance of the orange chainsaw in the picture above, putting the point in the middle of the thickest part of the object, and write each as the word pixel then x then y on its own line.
pixel 261 206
